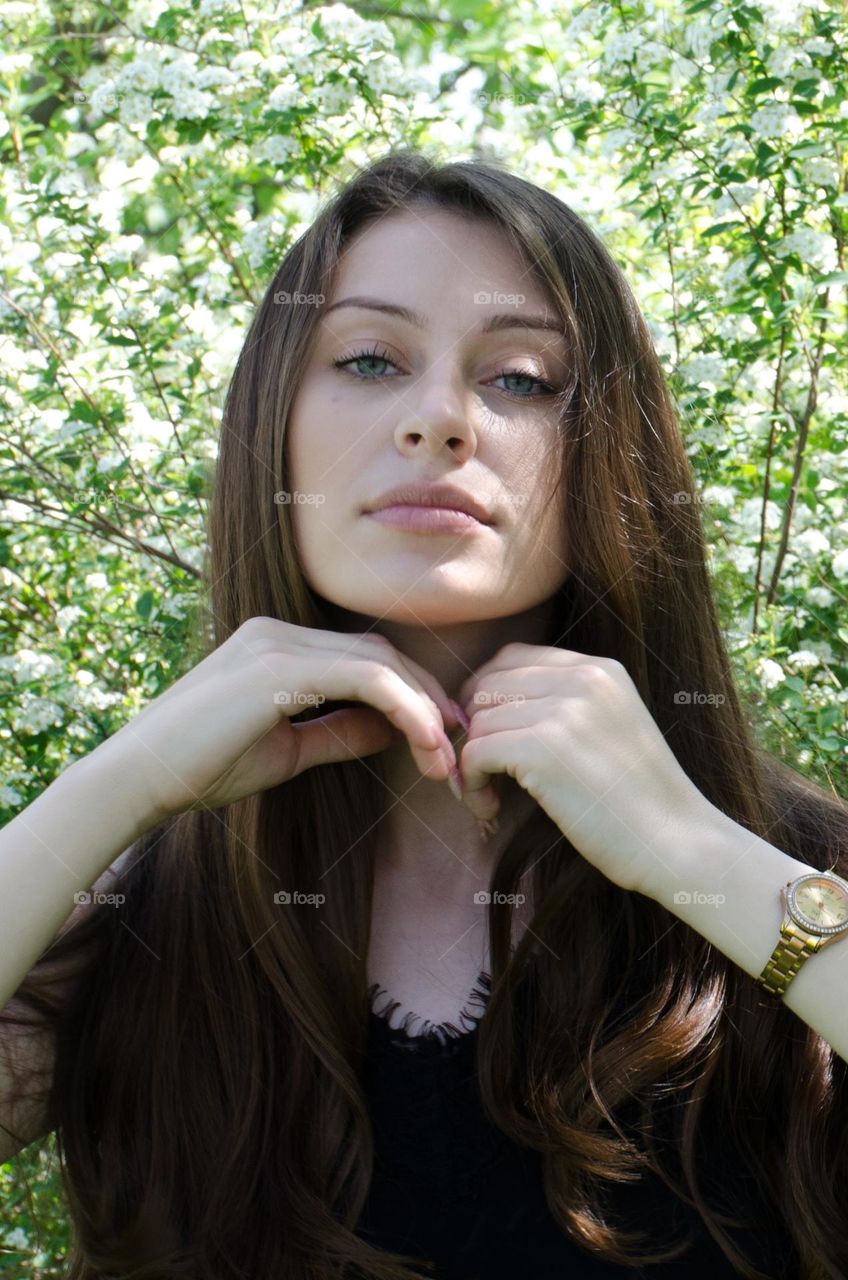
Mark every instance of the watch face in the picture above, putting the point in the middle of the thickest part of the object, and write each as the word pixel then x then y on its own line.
pixel 819 903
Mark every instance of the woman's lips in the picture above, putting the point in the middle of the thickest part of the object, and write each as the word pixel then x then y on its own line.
pixel 427 519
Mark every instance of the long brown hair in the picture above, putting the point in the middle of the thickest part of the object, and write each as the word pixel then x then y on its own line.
pixel 207 1095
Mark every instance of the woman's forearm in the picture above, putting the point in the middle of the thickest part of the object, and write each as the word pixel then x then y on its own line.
pixel 724 881
pixel 57 846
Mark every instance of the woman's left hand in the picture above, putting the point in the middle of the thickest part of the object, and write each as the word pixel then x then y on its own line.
pixel 573 731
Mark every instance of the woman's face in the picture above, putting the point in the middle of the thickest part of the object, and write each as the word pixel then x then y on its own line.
pixel 442 402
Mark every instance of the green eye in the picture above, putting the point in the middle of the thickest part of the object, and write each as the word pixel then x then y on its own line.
pixel 375 353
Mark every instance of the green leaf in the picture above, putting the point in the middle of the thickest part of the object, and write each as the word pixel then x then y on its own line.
pixel 718 227
pixel 144 604
pixel 84 412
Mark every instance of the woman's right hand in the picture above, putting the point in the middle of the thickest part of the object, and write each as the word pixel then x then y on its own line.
pixel 223 731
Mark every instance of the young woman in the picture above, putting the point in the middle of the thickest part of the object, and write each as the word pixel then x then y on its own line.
pixel 441 935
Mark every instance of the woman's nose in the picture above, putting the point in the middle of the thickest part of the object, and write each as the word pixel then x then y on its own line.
pixel 435 422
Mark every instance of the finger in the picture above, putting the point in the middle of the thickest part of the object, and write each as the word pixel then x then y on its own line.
pixel 487 688
pixel 348 734
pixel 478 786
pixel 447 708
pixel 377 646
pixel 380 685
pixel 380 649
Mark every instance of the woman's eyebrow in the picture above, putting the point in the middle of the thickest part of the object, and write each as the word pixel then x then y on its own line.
pixel 512 320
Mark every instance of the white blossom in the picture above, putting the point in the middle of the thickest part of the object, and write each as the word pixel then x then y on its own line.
pixel 284 95
pixel 141 73
pixel 278 148
pixel 17 1239
pixel 37 714
pixel 821 648
pixel 777 120
pixel 770 672
pixel 820 596
pixel 820 171
pixel 810 245
pixel 67 616
pixel 704 368
pixel 29 664
pixel 803 659
pixel 742 558
pixel 738 194
pixel 811 541
pixel 784 57
pixel 750 515
pixel 721 494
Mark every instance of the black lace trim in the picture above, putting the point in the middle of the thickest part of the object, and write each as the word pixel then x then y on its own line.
pixel 440 1033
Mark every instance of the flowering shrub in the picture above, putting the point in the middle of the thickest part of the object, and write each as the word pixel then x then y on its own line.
pixel 160 157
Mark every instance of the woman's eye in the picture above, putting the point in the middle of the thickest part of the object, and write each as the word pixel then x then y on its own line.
pixel 357 358
pixel 547 389
pixel 383 358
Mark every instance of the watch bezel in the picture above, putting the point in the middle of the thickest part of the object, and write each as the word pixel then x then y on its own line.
pixel 797 914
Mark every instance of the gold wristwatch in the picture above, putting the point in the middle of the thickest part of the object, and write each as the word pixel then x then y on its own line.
pixel 816 914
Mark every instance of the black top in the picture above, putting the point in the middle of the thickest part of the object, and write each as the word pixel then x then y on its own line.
pixel 450 1188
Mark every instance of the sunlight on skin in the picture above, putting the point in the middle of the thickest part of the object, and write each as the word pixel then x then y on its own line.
pixel 448 403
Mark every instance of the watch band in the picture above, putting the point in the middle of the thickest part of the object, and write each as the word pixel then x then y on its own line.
pixel 795 946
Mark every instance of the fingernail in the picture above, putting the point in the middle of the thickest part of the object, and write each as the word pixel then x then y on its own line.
pixel 460 715
pixel 455 782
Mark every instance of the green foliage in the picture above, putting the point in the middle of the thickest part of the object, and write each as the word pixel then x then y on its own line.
pixel 35 1233
pixel 160 157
